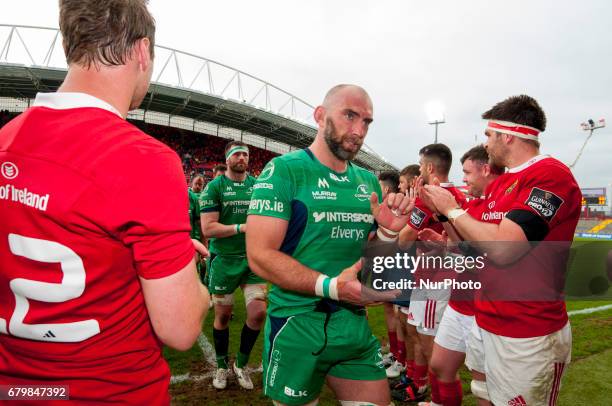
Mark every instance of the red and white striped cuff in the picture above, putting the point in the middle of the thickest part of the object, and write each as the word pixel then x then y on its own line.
pixel 518 130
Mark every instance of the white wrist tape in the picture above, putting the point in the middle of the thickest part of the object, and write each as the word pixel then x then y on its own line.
pixel 383 237
pixel 319 285
pixel 387 231
pixel 327 287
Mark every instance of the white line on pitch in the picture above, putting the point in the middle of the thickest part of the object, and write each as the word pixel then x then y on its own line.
pixel 207 349
pixel 590 310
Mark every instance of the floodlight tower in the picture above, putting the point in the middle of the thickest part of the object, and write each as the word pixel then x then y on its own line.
pixel 589 126
pixel 435 115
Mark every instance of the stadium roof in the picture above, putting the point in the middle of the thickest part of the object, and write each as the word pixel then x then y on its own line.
pixel 187 91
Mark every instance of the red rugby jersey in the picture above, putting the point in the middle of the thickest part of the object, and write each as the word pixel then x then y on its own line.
pixel 543 186
pixel 460 301
pixel 422 218
pixel 89 204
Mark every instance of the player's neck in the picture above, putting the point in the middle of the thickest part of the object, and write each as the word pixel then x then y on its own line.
pixel 441 179
pixel 321 151
pixel 107 85
pixel 521 155
pixel 235 176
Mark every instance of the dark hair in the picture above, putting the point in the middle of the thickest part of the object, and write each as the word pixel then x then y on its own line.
pixel 219 167
pixel 411 171
pixel 390 179
pixel 104 32
pixel 195 178
pixel 520 109
pixel 234 143
pixel 479 154
pixel 439 155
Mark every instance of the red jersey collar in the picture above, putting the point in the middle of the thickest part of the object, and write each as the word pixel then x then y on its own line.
pixel 527 164
pixel 69 100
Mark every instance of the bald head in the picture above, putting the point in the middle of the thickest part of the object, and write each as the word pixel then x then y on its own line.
pixel 336 93
pixel 344 119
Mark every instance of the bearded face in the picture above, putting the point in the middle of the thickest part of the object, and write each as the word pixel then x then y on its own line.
pixel 238 162
pixel 344 146
pixel 496 149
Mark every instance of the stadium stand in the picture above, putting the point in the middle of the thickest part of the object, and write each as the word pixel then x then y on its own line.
pixel 188 92
pixel 602 226
pixel 585 225
pixel 199 152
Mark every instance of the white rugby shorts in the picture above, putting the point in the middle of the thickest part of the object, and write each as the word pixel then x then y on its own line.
pixel 426 309
pixel 521 371
pixel 454 330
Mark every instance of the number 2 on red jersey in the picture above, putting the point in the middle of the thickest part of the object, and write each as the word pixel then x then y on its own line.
pixel 71 287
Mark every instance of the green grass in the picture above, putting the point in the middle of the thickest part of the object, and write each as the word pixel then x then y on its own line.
pixel 588 381
pixel 587 277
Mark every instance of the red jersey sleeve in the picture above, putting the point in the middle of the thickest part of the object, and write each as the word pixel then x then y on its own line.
pixel 421 216
pixel 156 229
pixel 550 192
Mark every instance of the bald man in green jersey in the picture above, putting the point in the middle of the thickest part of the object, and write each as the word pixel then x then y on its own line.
pixel 311 213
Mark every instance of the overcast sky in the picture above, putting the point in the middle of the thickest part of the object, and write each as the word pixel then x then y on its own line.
pixel 469 54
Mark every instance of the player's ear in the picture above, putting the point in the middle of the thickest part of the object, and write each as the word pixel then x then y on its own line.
pixel 319 115
pixel 486 170
pixel 142 47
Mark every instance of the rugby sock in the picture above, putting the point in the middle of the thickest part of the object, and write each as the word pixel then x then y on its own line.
pixel 221 339
pixel 247 341
pixel 451 393
pixel 410 368
pixel 393 343
pixel 420 375
pixel 435 388
pixel 401 352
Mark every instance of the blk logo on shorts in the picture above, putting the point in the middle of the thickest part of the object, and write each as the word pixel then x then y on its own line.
pixel 295 393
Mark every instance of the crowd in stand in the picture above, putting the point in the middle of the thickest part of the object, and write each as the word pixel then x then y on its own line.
pixel 200 152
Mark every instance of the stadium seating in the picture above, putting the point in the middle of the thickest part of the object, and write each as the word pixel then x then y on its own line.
pixel 602 226
pixel 201 152
pixel 585 225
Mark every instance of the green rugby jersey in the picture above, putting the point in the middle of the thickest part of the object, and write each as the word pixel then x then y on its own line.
pixel 194 214
pixel 328 213
pixel 231 199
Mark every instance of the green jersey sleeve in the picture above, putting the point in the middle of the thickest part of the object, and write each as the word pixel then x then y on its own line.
pixel 194 214
pixel 210 198
pixel 273 192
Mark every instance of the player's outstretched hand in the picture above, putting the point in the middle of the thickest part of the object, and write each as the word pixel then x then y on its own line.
pixel 200 248
pixel 351 290
pixel 429 235
pixel 434 242
pixel 440 198
pixel 394 211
